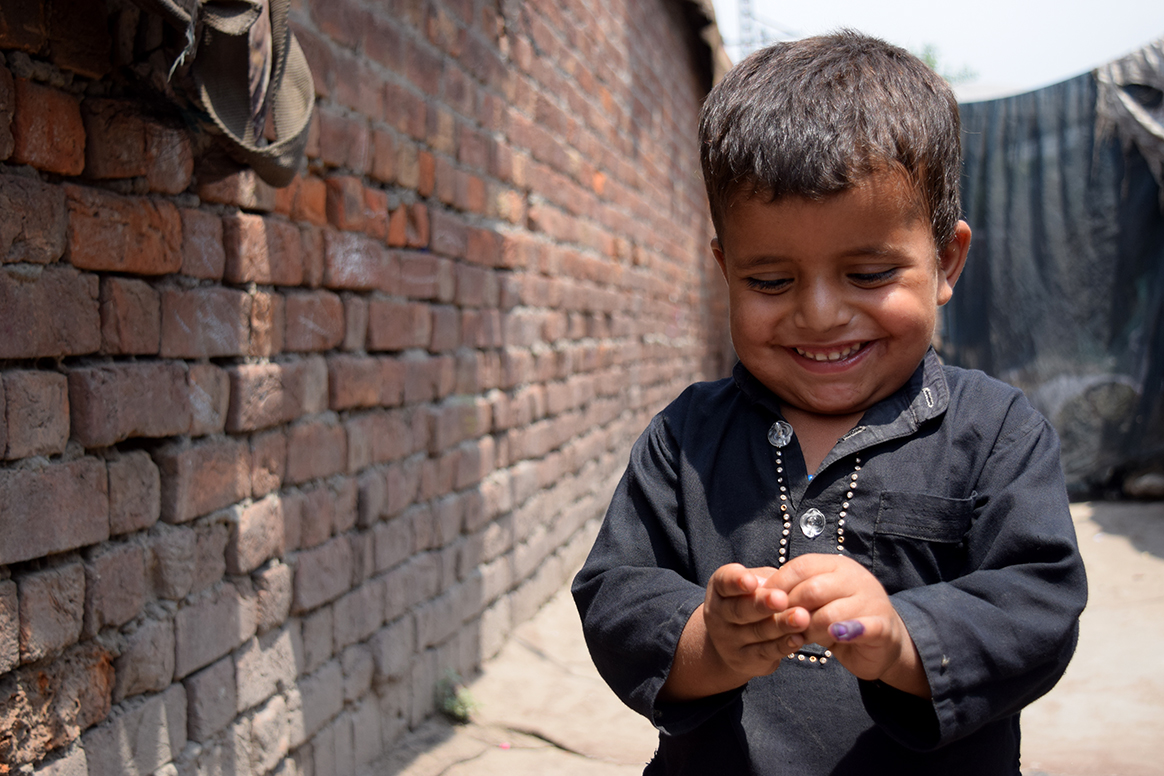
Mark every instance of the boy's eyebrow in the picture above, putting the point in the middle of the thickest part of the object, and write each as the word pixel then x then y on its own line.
pixel 878 251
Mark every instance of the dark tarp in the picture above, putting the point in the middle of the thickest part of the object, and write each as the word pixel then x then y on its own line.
pixel 1063 294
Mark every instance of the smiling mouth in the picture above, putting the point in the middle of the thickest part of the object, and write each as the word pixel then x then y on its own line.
pixel 830 355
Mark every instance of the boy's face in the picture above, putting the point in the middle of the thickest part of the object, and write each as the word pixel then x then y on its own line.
pixel 833 303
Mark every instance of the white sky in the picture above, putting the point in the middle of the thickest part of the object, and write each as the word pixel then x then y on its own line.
pixel 1013 45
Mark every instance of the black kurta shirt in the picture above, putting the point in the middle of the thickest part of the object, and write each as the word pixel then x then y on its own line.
pixel 960 512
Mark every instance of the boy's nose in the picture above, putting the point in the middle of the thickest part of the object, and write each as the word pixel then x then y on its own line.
pixel 821 308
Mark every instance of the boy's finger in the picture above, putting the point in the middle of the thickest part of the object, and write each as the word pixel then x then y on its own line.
pixel 746 609
pixel 733 580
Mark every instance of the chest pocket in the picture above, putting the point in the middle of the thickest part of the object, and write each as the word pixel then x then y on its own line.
pixel 919 539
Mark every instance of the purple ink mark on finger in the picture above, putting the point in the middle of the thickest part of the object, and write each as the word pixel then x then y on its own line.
pixel 847 630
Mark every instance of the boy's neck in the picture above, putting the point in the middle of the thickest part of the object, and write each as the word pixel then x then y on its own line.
pixel 818 434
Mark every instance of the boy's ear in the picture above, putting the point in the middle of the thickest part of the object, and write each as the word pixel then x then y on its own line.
pixel 717 251
pixel 951 261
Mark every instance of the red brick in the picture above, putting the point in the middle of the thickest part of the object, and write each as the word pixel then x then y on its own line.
pixel 344 142
pixel 7 108
pixel 37 409
pixel 446 329
pixel 123 234
pixel 47 130
pixel 391 382
pixel 50 312
pixel 424 276
pixel 112 402
pixel 23 26
pixel 209 388
pixel 484 247
pixel 52 610
pixel 317 516
pixel 450 235
pixel 470 193
pixel 115 139
pixel 310 202
pixel 322 574
pixel 170 158
pixel 201 477
pixel 115 586
pixel 376 214
pixel 130 317
pixel 315 321
pixel 60 507
pixel 265 395
pixel 446 180
pixel 134 492
pixel 355 262
pixel 256 535
pixel 34 223
pixel 262 250
pixel 383 166
pixel 394 325
pixel 79 38
pixel 355 322
pixel 203 255
pixel 315 449
pixel 397 236
pixel 205 323
pixel 53 707
pixel 345 203
pixel 223 182
pixel 426 172
pixel 354 381
pixel 268 462
pixel 313 256
pixel 267 324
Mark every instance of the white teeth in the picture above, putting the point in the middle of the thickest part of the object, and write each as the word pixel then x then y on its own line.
pixel 835 355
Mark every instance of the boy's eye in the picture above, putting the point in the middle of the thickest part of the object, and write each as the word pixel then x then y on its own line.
pixel 873 278
pixel 767 285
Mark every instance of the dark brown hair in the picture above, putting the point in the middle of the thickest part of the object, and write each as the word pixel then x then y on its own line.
pixel 814 117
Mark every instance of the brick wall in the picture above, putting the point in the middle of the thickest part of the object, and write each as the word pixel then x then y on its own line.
pixel 273 461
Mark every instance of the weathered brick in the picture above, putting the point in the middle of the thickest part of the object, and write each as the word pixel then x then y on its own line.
pixel 315 321
pixel 79 40
pixel 205 323
pixel 198 478
pixel 115 139
pixel 146 662
pixel 203 254
pixel 354 381
pixel 394 325
pixel 209 388
pixel 322 574
pixel 9 626
pixel 273 595
pixel 256 535
pixel 122 234
pixel 318 630
pixel 60 507
pixel 212 626
pixel 48 312
pixel 7 108
pixel 36 405
pixel 42 710
pixel 65 761
pixel 317 518
pixel 262 665
pixel 270 735
pixel 423 276
pixel 323 698
pixel 315 449
pixel 134 492
pixel 264 395
pixel 35 220
pixel 267 324
pixel 171 555
pixel 113 402
pixel 356 662
pixel 358 614
pixel 115 586
pixel 211 699
pixel 225 183
pixel 47 131
pixel 310 202
pixel 143 737
pixel 265 250
pixel 130 317
pixel 355 322
pixel 170 157
pixel 345 203
pixel 52 610
pixel 358 263
pixel 268 462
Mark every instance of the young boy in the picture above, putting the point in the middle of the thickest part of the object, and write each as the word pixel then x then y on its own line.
pixel 847 558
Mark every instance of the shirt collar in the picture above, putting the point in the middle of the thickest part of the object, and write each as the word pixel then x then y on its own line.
pixel 924 396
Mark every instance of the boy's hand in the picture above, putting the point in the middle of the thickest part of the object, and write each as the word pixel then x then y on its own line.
pixel 741 630
pixel 851 614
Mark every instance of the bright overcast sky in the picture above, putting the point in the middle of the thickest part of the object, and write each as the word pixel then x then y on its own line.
pixel 1012 45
